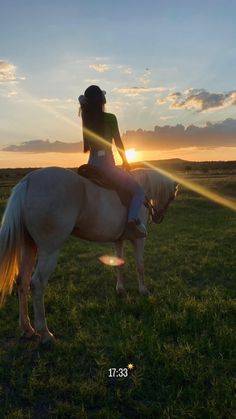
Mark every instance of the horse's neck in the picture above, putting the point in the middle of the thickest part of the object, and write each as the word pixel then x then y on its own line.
pixel 141 177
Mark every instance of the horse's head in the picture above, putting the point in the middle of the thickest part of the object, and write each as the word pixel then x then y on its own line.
pixel 159 208
pixel 159 189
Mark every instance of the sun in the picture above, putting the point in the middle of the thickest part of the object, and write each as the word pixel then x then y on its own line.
pixel 130 154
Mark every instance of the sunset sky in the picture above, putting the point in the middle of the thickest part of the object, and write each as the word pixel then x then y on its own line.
pixel 168 68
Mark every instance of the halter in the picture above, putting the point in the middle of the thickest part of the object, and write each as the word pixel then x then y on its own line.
pixel 157 215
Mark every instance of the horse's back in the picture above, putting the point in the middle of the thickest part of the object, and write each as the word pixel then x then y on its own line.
pixel 52 175
pixel 60 202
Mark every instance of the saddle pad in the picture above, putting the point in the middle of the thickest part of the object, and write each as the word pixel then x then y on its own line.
pixel 97 176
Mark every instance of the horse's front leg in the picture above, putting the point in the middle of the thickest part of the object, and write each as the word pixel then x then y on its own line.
pixel 139 252
pixel 45 267
pixel 120 269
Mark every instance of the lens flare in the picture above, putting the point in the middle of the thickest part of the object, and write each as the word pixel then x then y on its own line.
pixel 111 260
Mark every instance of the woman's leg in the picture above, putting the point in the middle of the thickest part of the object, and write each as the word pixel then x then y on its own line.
pixel 124 180
pixel 93 160
pixel 136 203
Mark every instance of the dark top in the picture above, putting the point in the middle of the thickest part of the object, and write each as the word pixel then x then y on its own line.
pixel 111 132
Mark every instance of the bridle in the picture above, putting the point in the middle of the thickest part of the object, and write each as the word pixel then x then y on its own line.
pixel 157 215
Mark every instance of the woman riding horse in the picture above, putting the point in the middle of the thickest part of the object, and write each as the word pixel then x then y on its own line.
pixel 99 129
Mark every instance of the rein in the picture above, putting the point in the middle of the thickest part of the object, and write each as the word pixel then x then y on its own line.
pixel 156 216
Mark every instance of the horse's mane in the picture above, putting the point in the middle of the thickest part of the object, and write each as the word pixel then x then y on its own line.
pixel 157 186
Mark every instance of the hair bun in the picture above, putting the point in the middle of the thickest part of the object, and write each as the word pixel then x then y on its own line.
pixel 82 100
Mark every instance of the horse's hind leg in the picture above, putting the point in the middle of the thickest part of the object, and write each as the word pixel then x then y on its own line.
pixel 45 267
pixel 23 286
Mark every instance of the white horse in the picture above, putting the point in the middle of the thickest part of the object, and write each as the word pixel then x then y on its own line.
pixel 48 205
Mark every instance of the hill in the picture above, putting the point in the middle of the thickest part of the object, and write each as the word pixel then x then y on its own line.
pixel 185 165
pixel 171 164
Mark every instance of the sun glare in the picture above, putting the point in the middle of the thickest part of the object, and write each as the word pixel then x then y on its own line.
pixel 130 154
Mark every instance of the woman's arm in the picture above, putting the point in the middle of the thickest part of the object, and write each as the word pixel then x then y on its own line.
pixel 86 147
pixel 119 144
pixel 85 143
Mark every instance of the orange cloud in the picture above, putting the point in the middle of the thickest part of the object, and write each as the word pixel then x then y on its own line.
pixel 100 68
pixel 8 72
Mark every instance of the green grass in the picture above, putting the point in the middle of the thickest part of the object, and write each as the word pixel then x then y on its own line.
pixel 181 339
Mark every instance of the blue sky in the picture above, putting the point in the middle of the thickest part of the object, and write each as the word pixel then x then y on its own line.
pixel 52 50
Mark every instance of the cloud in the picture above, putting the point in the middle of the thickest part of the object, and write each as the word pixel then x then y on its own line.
pixel 58 103
pixel 199 100
pixel 124 69
pixel 128 70
pixel 171 137
pixel 167 137
pixel 92 81
pixel 165 118
pixel 145 77
pixel 136 90
pixel 56 100
pixel 13 93
pixel 100 68
pixel 8 72
pixel 45 146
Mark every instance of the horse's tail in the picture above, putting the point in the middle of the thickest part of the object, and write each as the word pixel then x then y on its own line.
pixel 11 239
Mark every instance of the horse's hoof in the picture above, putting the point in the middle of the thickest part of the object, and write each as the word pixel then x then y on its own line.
pixel 120 292
pixel 47 338
pixel 144 292
pixel 30 336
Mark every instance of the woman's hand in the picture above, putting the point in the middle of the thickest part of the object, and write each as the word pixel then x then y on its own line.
pixel 126 165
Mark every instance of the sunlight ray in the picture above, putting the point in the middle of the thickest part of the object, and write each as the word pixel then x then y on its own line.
pixel 203 191
pixel 195 187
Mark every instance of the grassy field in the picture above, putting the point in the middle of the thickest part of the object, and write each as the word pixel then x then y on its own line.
pixel 181 339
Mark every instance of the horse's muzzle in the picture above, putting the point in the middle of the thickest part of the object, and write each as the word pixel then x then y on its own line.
pixel 158 216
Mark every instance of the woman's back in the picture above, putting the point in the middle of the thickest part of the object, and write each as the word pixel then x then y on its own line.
pixel 108 131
